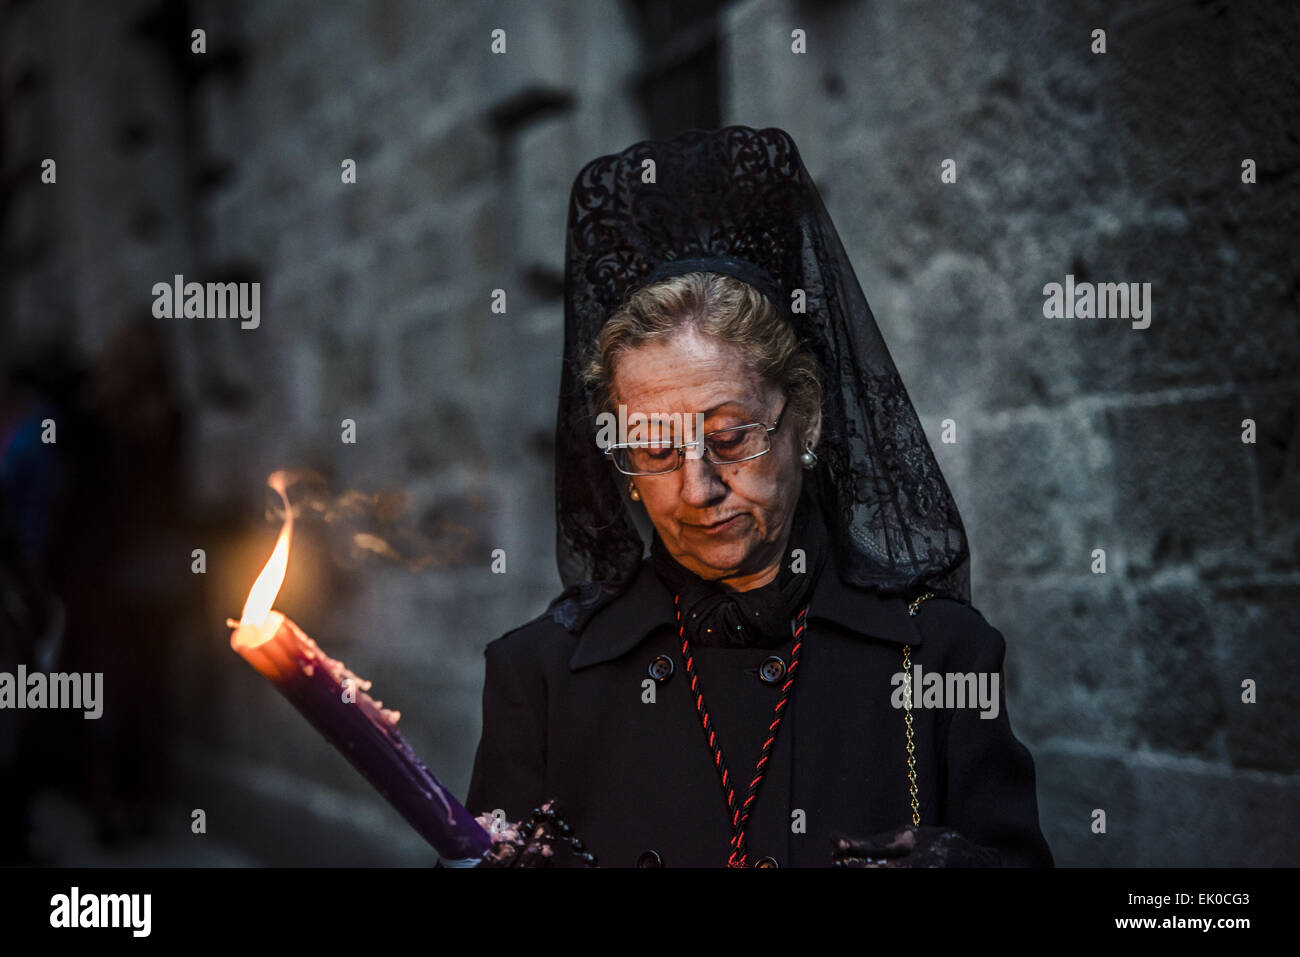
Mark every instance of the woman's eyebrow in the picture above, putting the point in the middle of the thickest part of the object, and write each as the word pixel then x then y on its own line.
pixel 657 416
pixel 722 405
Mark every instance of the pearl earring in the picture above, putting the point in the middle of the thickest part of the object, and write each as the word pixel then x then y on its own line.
pixel 632 492
pixel 809 458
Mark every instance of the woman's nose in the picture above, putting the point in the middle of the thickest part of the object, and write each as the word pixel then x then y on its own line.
pixel 701 484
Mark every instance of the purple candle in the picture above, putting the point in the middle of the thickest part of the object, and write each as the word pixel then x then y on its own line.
pixel 334 700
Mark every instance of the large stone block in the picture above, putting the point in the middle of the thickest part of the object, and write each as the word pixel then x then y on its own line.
pixel 1072 671
pixel 946 332
pixel 1255 627
pixel 1216 304
pixel 1181 705
pixel 1267 104
pixel 1072 785
pixel 1158 63
pixel 545 157
pixel 539 64
pixel 439 160
pixel 1183 479
pixel 1039 493
pixel 1276 471
pixel 1192 815
pixel 764 83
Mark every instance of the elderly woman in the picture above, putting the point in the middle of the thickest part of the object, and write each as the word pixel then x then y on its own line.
pixel 760 689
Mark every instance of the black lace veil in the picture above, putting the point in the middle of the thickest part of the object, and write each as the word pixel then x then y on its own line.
pixel 739 201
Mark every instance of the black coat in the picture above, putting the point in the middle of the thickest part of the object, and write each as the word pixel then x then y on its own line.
pixel 567 717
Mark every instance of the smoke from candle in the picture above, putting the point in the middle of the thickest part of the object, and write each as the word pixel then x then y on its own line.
pixel 365 527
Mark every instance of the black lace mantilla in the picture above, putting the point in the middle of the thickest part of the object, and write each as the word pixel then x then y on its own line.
pixel 739 201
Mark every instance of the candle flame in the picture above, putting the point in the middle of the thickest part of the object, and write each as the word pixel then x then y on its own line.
pixel 267 587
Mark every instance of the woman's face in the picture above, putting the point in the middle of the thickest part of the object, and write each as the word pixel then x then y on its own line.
pixel 722 522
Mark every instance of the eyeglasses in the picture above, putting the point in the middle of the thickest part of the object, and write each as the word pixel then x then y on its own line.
pixel 723 447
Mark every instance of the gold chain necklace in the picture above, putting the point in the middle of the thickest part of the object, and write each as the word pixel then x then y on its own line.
pixel 907 706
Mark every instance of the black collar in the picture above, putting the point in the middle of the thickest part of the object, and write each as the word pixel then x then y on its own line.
pixel 647 604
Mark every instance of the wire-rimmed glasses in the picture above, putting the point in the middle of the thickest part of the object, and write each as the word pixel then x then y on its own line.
pixel 721 447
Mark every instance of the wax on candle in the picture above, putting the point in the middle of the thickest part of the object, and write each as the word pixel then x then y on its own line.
pixel 280 657
pixel 334 700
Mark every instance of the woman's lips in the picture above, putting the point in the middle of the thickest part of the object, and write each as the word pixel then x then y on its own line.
pixel 718 528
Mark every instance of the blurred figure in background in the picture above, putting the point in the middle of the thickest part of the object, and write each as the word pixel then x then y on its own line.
pixel 127 573
pixel 121 565
pixel 33 491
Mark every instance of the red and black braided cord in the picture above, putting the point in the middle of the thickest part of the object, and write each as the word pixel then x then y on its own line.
pixel 740 813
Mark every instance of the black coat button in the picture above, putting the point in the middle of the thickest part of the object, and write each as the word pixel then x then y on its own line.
pixel 766 862
pixel 771 670
pixel 649 859
pixel 661 669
